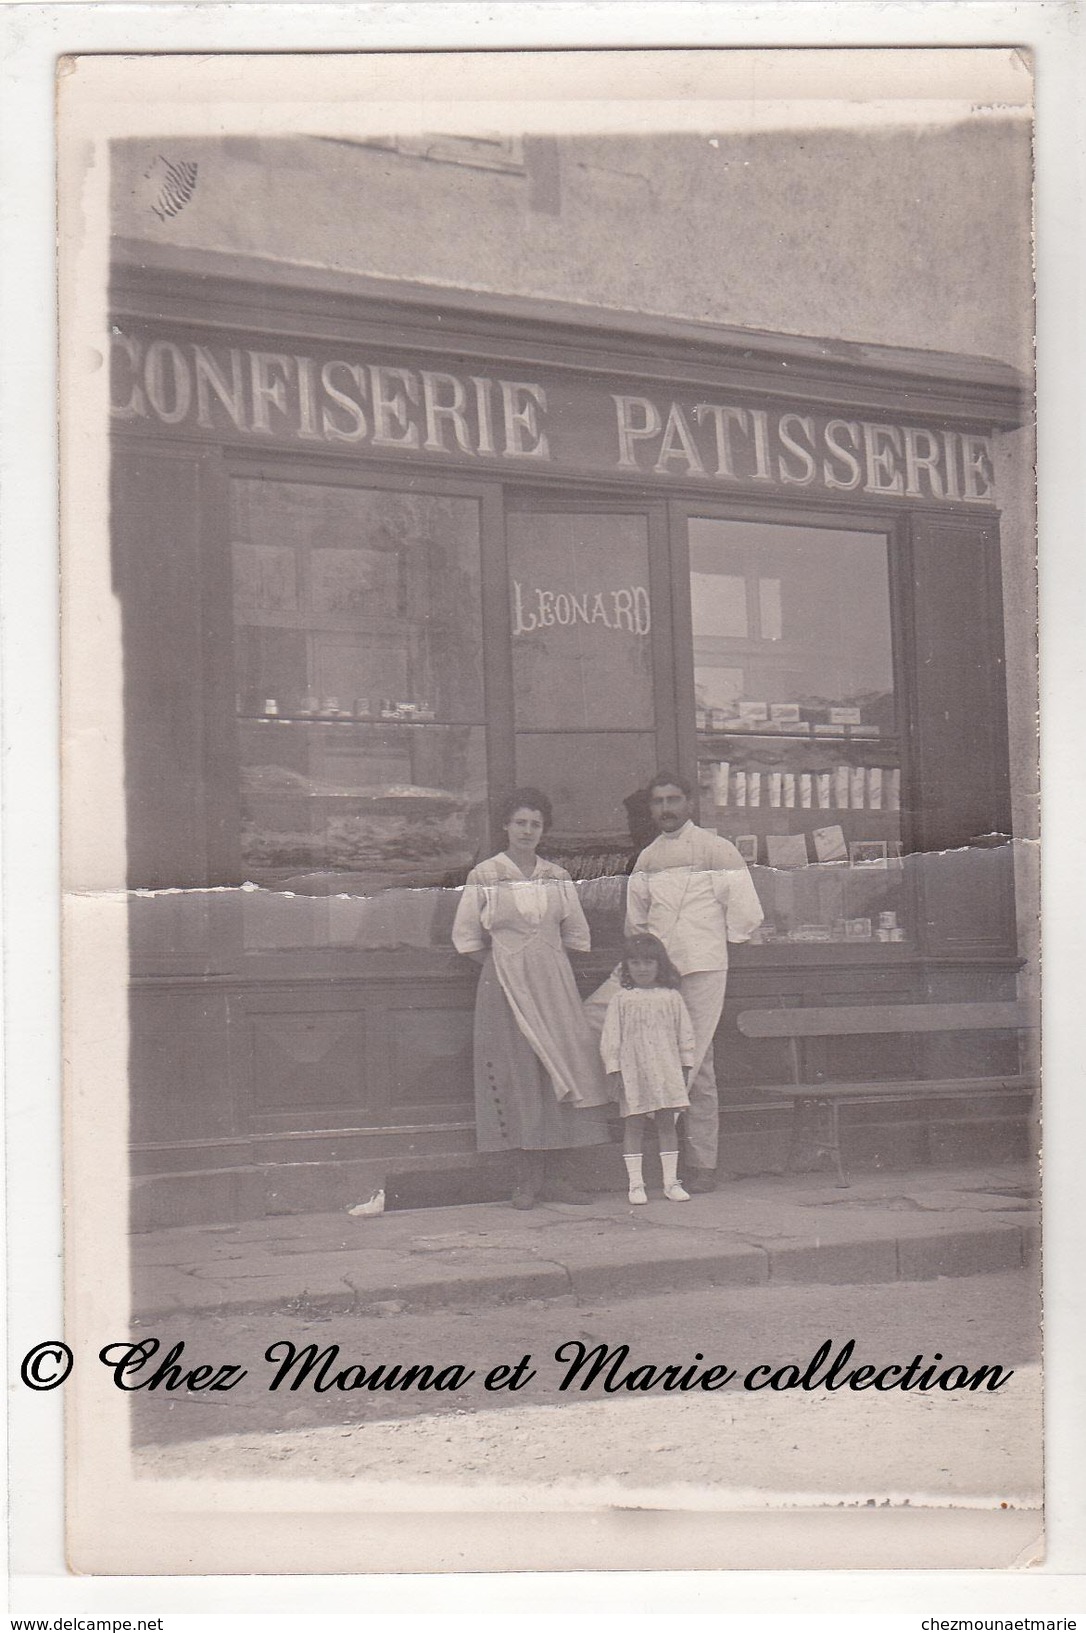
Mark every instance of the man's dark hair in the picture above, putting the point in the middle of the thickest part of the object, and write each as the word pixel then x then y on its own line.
pixel 671 779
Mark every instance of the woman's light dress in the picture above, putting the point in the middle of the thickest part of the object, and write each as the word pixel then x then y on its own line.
pixel 648 1037
pixel 539 1082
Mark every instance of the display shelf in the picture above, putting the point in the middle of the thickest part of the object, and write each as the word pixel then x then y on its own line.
pixel 345 720
pixel 795 818
pixel 805 737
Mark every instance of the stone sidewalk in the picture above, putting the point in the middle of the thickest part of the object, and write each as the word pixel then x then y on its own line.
pixel 764 1229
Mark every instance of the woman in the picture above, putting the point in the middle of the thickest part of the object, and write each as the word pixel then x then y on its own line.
pixel 539 1079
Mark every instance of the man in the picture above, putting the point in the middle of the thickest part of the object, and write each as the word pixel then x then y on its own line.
pixel 690 888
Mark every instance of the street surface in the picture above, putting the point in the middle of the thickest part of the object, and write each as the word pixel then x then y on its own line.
pixel 728 1445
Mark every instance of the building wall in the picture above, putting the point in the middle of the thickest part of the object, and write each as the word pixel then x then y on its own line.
pixel 901 238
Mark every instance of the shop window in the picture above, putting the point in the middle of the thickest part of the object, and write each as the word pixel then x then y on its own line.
pixel 358 640
pixel 799 758
pixel 583 676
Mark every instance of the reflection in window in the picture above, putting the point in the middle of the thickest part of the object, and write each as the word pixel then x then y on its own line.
pixel 719 604
pixel 358 640
pixel 794 698
pixel 802 612
pixel 769 609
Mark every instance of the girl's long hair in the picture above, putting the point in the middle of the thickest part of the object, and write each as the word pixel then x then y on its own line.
pixel 646 946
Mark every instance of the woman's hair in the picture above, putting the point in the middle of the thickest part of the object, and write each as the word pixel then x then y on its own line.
pixel 648 947
pixel 526 799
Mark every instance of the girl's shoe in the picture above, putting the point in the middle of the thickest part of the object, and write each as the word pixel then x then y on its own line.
pixel 637 1194
pixel 675 1193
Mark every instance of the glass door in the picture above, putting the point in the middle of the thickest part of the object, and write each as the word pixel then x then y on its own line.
pixel 585 586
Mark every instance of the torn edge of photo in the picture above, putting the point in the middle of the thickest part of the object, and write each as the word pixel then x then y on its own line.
pixel 549 652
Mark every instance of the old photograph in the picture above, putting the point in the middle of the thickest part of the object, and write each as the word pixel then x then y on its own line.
pixel 552 793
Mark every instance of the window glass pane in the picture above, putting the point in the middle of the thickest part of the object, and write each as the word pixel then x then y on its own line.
pixel 361 736
pixel 581 621
pixel 369 594
pixel 822 635
pixel 799 762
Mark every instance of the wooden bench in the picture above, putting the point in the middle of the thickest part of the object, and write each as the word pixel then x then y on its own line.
pixel 816 1105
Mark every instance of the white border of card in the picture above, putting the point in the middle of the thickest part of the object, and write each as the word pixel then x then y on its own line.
pixel 96 1540
pixel 40 1583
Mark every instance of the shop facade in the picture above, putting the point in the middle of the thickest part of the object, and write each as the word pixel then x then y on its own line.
pixel 385 551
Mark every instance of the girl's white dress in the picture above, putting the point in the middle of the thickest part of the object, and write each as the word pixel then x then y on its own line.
pixel 649 1038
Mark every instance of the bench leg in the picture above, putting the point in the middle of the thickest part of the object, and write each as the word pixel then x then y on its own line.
pixel 816 1133
pixel 802 1149
pixel 834 1143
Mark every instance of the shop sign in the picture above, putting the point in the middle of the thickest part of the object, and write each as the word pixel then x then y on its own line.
pixel 623 609
pixel 392 408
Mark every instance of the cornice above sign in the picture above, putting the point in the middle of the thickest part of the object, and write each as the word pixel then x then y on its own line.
pixel 231 293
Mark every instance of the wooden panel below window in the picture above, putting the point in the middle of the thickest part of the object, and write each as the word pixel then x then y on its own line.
pixel 179 1077
pixel 431 1059
pixel 307 1061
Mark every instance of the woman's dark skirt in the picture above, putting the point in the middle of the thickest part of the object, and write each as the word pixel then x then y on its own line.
pixel 516 1108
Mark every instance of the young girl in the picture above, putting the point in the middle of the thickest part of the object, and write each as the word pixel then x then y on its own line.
pixel 648 1045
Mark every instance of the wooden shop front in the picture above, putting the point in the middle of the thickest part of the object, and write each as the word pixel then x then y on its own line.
pixel 384 551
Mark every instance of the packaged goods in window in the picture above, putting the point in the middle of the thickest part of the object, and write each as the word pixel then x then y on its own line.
pixel 868 853
pixel 786 850
pixel 857 929
pixel 811 932
pixel 829 844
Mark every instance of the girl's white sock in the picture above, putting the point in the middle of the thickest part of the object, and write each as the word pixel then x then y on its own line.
pixel 669 1162
pixel 636 1181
